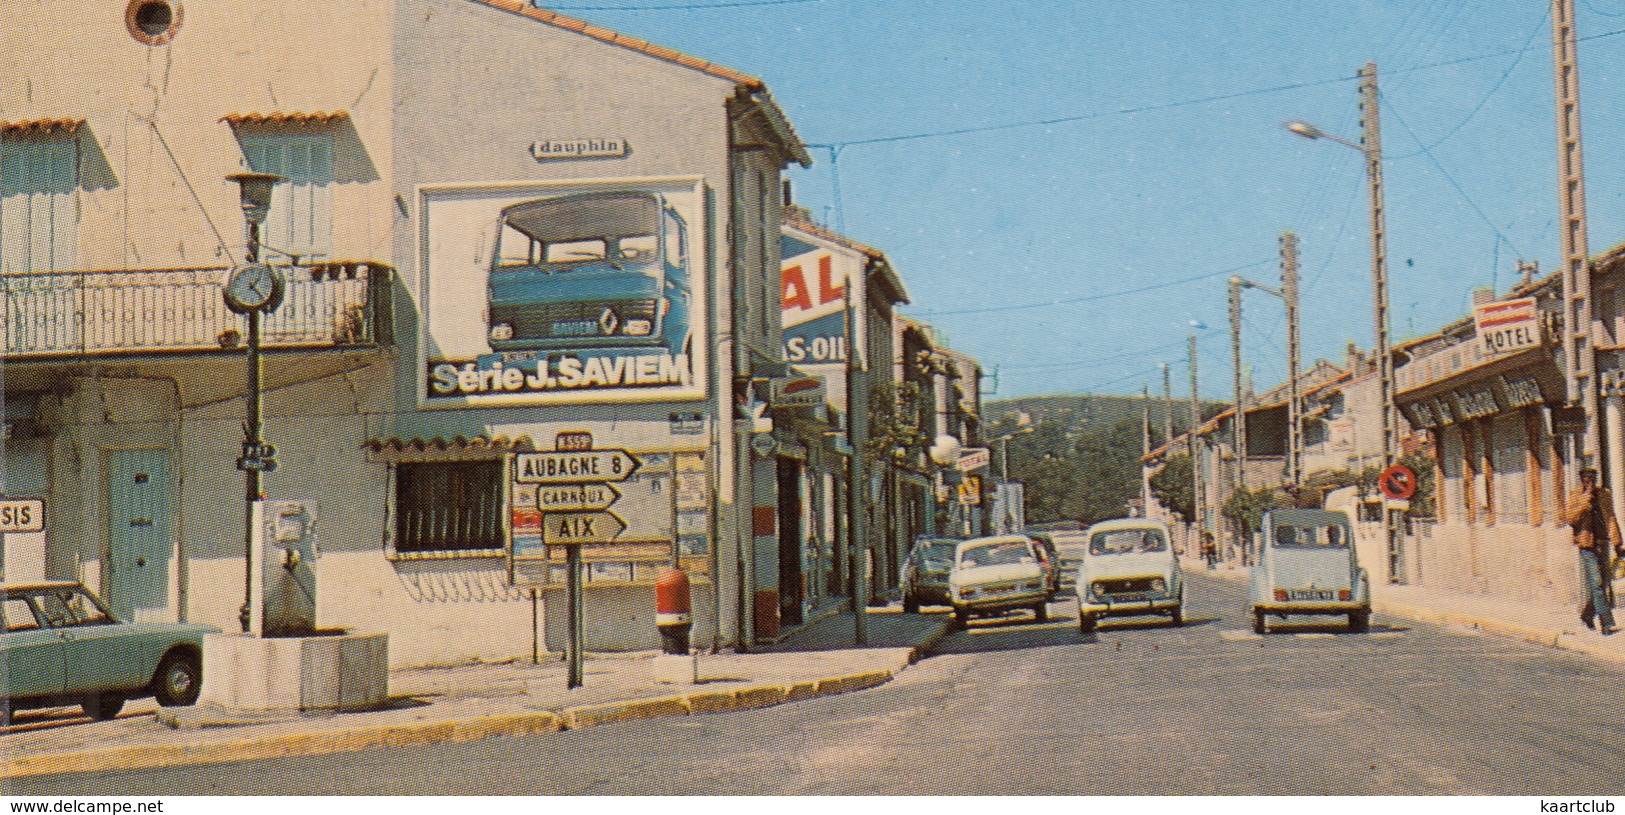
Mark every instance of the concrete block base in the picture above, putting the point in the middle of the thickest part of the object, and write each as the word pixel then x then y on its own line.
pixel 676 669
pixel 341 672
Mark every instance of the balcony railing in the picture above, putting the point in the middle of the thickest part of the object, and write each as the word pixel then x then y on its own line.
pixel 104 313
pixel 1441 364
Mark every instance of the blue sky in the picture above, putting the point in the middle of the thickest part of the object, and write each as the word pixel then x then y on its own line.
pixel 1170 169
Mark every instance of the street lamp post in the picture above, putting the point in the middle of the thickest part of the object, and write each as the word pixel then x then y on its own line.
pixel 1370 145
pixel 253 288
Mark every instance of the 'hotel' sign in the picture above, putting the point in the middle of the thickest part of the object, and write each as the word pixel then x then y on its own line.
pixel 578 148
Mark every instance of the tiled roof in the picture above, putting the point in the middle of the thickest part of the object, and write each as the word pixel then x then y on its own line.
pixel 455 444
pixel 41 126
pixel 616 38
pixel 283 117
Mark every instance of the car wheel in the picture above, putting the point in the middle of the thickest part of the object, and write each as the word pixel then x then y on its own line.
pixel 5 712
pixel 1086 623
pixel 961 618
pixel 1041 613
pixel 1178 616
pixel 102 706
pixel 1259 626
pixel 1359 621
pixel 911 604
pixel 179 678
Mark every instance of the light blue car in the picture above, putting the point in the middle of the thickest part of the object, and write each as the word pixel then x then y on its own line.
pixel 60 645
pixel 1306 564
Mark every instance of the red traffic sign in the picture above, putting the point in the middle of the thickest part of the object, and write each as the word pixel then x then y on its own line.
pixel 1398 482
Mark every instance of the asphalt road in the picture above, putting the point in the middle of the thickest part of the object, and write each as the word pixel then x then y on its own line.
pixel 1013 707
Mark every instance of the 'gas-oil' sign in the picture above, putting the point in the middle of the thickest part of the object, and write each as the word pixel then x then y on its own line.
pixel 22 515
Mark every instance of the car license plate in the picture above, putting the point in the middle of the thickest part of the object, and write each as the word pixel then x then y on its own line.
pixel 509 357
pixel 1131 597
pixel 1313 594
pixel 1001 590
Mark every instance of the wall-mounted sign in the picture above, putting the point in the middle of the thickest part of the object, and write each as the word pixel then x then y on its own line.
pixel 22 515
pixel 578 148
pixel 552 292
pixel 1508 325
pixel 797 391
pixel 1341 433
pixel 973 458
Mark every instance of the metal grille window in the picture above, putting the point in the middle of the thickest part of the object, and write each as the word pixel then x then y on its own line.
pixel 1511 464
pixel 448 506
pixel 39 222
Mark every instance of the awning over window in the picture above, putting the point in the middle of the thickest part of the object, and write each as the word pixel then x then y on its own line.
pixel 413 448
pixel 283 117
pixel 41 126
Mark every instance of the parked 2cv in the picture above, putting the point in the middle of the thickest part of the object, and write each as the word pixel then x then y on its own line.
pixel 1306 564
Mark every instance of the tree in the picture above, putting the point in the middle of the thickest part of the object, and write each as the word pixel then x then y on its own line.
pixel 1245 508
pixel 1422 500
pixel 1172 486
pixel 1312 493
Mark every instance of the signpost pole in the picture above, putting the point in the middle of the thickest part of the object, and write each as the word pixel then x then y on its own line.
pixel 572 591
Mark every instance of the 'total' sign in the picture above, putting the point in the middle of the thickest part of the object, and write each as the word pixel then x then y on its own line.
pixel 583 467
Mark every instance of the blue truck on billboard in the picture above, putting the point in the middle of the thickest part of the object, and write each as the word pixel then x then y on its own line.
pixel 605 271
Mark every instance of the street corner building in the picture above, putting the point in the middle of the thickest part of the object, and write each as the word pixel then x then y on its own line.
pixel 529 265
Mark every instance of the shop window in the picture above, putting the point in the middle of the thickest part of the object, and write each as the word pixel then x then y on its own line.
pixel 448 507
pixel 301 217
pixel 39 222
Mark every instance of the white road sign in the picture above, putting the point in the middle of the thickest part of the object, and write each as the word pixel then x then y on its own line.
pixel 22 515
pixel 973 458
pixel 569 528
pixel 575 497
pixel 584 467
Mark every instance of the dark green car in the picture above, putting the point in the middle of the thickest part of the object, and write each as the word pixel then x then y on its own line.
pixel 60 645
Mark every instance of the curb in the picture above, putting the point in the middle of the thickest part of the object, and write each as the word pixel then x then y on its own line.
pixel 143 757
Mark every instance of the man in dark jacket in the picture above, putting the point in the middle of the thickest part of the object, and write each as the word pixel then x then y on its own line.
pixel 1596 534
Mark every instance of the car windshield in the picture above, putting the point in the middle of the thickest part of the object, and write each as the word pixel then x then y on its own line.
pixel 996 554
pixel 936 550
pixel 1125 541
pixel 1331 536
pixel 63 608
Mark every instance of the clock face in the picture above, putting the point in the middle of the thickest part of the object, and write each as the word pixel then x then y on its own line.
pixel 251 287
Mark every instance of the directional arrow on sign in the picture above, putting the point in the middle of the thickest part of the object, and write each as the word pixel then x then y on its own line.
pixel 568 528
pixel 583 467
pixel 576 497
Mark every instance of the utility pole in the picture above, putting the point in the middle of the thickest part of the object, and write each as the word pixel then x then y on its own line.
pixel 1579 357
pixel 1371 145
pixel 1238 426
pixel 1145 449
pixel 1167 407
pixel 1196 458
pixel 1294 413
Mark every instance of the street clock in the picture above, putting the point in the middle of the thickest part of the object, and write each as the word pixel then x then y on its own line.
pixel 253 287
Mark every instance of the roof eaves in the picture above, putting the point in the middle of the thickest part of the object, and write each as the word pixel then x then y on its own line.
pixel 602 34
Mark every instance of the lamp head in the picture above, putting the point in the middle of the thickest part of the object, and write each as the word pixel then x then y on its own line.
pixel 1304 129
pixel 945 450
pixel 255 189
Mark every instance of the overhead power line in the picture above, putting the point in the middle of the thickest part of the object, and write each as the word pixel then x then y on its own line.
pixel 1093 297
pixel 963 131
pixel 683 7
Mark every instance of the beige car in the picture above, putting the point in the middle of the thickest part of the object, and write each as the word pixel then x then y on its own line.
pixel 994 575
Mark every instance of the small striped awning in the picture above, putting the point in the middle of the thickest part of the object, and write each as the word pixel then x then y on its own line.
pixel 395 445
pixel 283 117
pixel 40 126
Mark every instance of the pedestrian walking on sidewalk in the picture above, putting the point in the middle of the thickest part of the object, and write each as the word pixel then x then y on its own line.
pixel 1210 550
pixel 1596 536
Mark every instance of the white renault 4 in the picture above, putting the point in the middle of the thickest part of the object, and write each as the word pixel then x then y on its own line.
pixel 1306 565
pixel 1127 569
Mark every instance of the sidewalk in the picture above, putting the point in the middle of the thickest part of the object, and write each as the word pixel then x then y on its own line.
pixel 1552 626
pixel 472 702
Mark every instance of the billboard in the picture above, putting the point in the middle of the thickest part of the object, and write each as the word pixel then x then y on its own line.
pixel 814 280
pixel 561 292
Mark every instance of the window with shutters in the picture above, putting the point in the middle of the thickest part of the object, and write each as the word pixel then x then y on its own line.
pixel 39 217
pixel 301 217
pixel 453 506
pixel 1511 469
